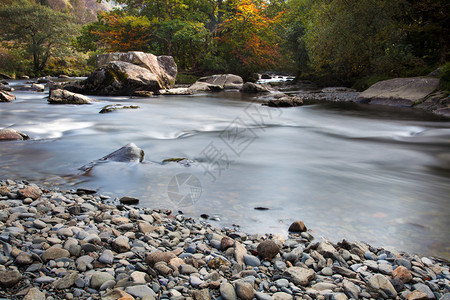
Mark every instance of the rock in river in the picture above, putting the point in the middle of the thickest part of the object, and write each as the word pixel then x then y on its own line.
pixel 60 96
pixel 128 153
pixel 126 73
pixel 6 96
pixel 399 91
pixel 10 134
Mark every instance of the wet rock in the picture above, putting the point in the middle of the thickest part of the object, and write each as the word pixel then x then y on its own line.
pixel 176 92
pixel 10 134
pixel 128 153
pixel 299 275
pixel 268 249
pixel 297 226
pixel 114 107
pixel 60 96
pixel 9 278
pixel 6 96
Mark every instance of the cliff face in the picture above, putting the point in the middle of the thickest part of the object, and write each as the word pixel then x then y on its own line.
pixel 85 11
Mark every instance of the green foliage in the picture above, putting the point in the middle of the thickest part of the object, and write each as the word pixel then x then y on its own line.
pixel 445 77
pixel 186 78
pixel 40 31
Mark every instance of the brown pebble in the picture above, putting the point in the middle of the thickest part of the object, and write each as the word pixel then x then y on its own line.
pixel 297 226
pixel 403 274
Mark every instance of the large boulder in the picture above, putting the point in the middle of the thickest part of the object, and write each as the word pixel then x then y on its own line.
pixel 404 92
pixel 164 67
pixel 60 96
pixel 218 82
pixel 9 134
pixel 6 96
pixel 123 74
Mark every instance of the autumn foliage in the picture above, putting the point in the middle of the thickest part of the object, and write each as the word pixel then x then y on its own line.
pixel 122 32
pixel 247 37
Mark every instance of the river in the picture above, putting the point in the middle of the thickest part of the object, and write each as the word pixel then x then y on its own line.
pixel 347 170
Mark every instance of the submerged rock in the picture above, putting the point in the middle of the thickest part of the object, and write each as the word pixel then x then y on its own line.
pixel 10 134
pixel 114 107
pixel 128 153
pixel 60 96
pixel 176 91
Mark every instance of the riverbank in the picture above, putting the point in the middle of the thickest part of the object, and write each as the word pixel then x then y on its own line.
pixel 80 245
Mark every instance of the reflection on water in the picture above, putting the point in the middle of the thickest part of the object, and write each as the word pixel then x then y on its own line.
pixel 347 170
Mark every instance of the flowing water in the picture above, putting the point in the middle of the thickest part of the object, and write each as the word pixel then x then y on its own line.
pixel 347 170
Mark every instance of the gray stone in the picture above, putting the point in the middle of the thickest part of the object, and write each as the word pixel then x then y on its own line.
pixel 299 275
pixel 379 282
pixel 9 134
pixel 54 253
pixel 60 96
pixel 399 91
pixel 187 269
pixel 99 278
pixel 263 296
pixel 244 290
pixel 424 288
pixel 251 260
pixel 351 289
pixel 107 257
pixel 9 278
pixel 140 291
pixel 34 294
pixel 282 296
pixel 227 291
pixel 66 282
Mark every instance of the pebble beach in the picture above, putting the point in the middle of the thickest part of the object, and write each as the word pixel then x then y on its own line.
pixel 77 244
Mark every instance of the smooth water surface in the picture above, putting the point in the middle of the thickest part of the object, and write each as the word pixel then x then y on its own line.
pixel 347 170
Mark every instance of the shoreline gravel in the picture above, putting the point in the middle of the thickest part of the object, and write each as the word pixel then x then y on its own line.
pixel 80 245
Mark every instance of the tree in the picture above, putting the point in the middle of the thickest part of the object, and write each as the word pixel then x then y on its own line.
pixel 248 40
pixel 39 30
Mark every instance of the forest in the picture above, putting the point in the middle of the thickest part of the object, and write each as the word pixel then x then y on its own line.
pixel 347 42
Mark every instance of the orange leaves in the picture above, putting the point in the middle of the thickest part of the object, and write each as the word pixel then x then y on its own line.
pixel 248 37
pixel 123 32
